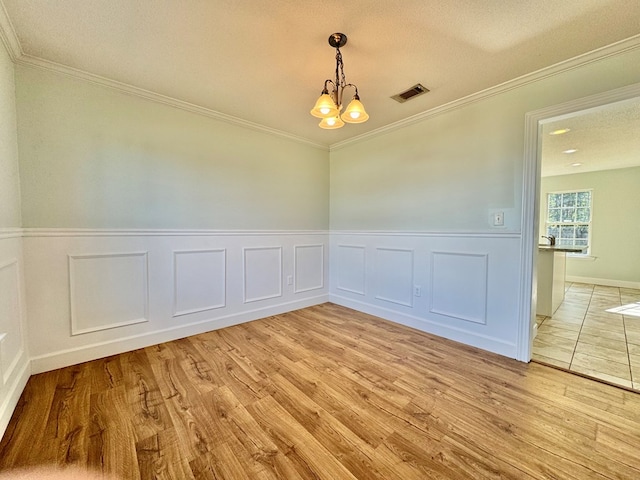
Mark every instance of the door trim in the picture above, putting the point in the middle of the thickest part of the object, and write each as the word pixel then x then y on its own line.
pixel 531 199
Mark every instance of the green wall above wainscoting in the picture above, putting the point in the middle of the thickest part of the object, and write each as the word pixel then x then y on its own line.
pixel 92 157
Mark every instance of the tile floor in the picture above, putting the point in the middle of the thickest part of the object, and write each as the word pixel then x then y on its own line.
pixel 585 336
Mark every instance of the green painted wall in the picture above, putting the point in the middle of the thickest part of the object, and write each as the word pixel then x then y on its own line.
pixel 450 171
pixel 615 234
pixel 92 157
pixel 9 178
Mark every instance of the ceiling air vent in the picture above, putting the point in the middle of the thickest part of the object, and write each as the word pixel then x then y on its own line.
pixel 413 92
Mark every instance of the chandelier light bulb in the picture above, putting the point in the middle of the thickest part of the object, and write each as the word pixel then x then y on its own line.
pixel 325 106
pixel 331 123
pixel 355 112
pixel 328 106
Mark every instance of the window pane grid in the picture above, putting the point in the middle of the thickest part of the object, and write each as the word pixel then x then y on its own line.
pixel 569 217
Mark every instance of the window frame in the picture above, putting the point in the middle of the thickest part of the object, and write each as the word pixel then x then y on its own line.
pixel 560 223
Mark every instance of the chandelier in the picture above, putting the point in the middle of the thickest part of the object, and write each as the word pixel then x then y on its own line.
pixel 329 105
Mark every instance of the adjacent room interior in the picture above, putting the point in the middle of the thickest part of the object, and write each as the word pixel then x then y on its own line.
pixel 588 194
pixel 199 278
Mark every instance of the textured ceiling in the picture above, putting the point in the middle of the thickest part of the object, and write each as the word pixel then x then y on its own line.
pixel 265 61
pixel 605 138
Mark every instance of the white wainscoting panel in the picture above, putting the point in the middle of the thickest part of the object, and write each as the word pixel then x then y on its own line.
pixel 15 367
pixel 394 275
pixel 459 285
pixel 469 282
pixel 308 267
pixel 262 273
pixel 192 280
pixel 10 318
pixel 199 280
pixel 351 268
pixel 108 290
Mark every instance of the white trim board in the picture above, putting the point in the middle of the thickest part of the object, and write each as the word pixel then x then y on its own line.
pixel 531 200
pixel 12 396
pixel 14 48
pixel 73 356
pixel 473 339
pixel 156 232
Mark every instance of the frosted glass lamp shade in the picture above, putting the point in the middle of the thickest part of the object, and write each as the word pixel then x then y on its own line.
pixel 355 112
pixel 325 107
pixel 331 123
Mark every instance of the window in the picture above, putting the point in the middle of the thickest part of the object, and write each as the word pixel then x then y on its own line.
pixel 569 217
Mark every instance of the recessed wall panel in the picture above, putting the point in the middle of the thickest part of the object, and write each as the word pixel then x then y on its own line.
pixel 107 290
pixel 199 281
pixel 351 269
pixel 309 267
pixel 394 276
pixel 262 273
pixel 10 316
pixel 459 285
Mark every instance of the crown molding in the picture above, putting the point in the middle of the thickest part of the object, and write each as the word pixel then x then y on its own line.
pixel 8 35
pixel 628 44
pixel 14 49
pixel 156 232
pixel 36 62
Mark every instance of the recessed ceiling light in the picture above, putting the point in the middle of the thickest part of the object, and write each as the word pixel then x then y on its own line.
pixel 577 164
pixel 560 131
pixel 571 150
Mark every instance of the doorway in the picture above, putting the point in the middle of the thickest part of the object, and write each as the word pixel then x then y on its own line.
pixel 585 300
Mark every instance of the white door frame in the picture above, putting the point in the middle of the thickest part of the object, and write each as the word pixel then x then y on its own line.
pixel 531 200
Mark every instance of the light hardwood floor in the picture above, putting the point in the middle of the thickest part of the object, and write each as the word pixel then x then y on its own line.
pixel 323 393
pixel 595 332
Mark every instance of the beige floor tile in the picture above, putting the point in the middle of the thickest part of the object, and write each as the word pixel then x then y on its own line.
pixel 633 337
pixel 551 351
pixel 605 290
pixel 618 345
pixel 578 302
pixel 603 314
pixel 603 376
pixel 583 287
pixel 565 318
pixel 603 353
pixel 635 369
pixel 544 338
pixel 558 332
pixel 604 333
pixel 611 325
pixel 633 349
pixel 569 306
pixel 630 291
pixel 632 324
pixel 595 364
pixel 626 299
pixel 602 310
pixel 610 319
pixel 562 324
pixel 551 361
pixel 607 341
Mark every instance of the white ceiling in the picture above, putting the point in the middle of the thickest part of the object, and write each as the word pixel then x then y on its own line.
pixel 266 61
pixel 605 138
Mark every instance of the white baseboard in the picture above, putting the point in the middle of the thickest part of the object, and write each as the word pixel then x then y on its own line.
pixel 463 336
pixel 87 353
pixel 12 395
pixel 603 281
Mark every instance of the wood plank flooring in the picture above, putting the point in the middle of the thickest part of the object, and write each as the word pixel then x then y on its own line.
pixel 323 393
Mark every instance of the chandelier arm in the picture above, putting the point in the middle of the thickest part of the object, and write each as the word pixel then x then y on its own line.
pixel 355 112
